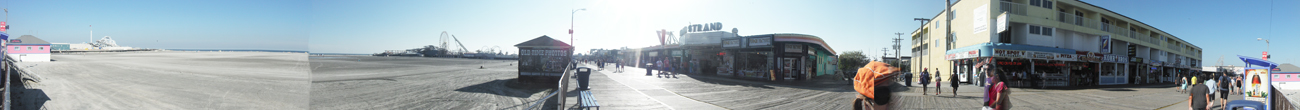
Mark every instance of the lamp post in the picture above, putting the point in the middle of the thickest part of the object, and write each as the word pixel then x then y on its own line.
pixel 571 43
pixel 1266 46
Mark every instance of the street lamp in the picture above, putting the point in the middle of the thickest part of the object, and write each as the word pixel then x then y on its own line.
pixel 571 43
pixel 1266 45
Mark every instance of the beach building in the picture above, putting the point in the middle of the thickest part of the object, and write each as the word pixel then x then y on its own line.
pixel 60 46
pixel 543 58
pixel 776 57
pixel 28 48
pixel 1061 42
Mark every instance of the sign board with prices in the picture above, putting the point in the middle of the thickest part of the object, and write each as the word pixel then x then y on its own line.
pixel 731 43
pixel 761 41
pixel 963 55
pixel 1044 55
pixel 793 48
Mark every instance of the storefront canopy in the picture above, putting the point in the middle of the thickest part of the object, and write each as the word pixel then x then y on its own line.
pixel 1257 61
pixel 986 49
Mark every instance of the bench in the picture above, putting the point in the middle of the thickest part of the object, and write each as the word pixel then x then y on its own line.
pixel 587 101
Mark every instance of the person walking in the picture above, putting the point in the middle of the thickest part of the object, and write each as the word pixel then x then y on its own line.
pixel 997 97
pixel 1182 82
pixel 1199 98
pixel 1210 86
pixel 937 89
pixel 952 78
pixel 1223 89
pixel 925 81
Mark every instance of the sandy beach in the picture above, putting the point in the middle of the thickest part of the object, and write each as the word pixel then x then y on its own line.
pixel 168 80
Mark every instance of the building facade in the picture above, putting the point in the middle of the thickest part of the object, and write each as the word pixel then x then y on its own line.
pixel 777 57
pixel 1057 42
pixel 28 48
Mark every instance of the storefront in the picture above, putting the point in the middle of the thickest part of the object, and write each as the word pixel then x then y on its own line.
pixel 543 59
pixel 776 57
pixel 1025 65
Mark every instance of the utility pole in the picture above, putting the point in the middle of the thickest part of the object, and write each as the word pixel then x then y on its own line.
pixel 884 52
pixel 898 45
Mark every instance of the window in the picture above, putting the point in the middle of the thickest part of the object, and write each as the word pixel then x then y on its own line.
pixel 1035 29
pixel 1047 4
pixel 29 48
pixel 1035 2
pixel 1047 31
pixel 41 48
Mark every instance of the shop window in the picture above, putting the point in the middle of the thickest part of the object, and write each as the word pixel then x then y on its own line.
pixel 1047 4
pixel 1047 31
pixel 1035 29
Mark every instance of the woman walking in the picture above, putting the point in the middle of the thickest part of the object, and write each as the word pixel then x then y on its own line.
pixel 925 81
pixel 997 96
pixel 953 79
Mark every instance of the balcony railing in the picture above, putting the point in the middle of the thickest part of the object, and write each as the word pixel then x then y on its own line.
pixel 1116 30
pixel 1078 20
pixel 1014 8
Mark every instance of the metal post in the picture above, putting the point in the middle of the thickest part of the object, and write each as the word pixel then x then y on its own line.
pixel 564 87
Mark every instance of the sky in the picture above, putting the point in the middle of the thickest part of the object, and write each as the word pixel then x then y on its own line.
pixel 169 24
pixel 1220 28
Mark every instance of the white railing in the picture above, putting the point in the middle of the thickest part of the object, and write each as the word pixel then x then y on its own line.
pixel 1116 30
pixel 1078 20
pixel 1014 8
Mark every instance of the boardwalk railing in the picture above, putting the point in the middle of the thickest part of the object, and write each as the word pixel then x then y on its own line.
pixel 563 87
pixel 8 66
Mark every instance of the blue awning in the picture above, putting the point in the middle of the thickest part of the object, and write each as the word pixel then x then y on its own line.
pixel 986 49
pixel 1257 62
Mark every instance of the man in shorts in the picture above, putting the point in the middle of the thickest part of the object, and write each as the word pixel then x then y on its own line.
pixel 1199 98
pixel 1223 89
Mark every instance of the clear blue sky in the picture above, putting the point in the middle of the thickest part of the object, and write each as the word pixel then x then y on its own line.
pixel 1221 28
pixel 167 24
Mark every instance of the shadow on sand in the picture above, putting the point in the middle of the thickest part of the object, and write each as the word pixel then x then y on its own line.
pixel 505 87
pixel 25 98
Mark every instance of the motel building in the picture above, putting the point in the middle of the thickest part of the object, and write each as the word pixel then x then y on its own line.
pixel 1049 42
pixel 28 48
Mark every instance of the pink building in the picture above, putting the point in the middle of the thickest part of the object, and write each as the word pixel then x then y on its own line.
pixel 28 48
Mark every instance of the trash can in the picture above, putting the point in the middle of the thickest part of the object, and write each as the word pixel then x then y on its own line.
pixel 649 69
pixel 908 77
pixel 584 77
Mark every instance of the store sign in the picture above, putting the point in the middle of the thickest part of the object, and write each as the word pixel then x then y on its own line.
pixel 1008 53
pixel 763 41
pixel 1011 63
pixel 793 48
pixel 704 27
pixel 1049 64
pixel 1044 55
pixel 544 52
pixel 963 55
pixel 1065 57
pixel 1105 44
pixel 981 19
pixel 731 43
